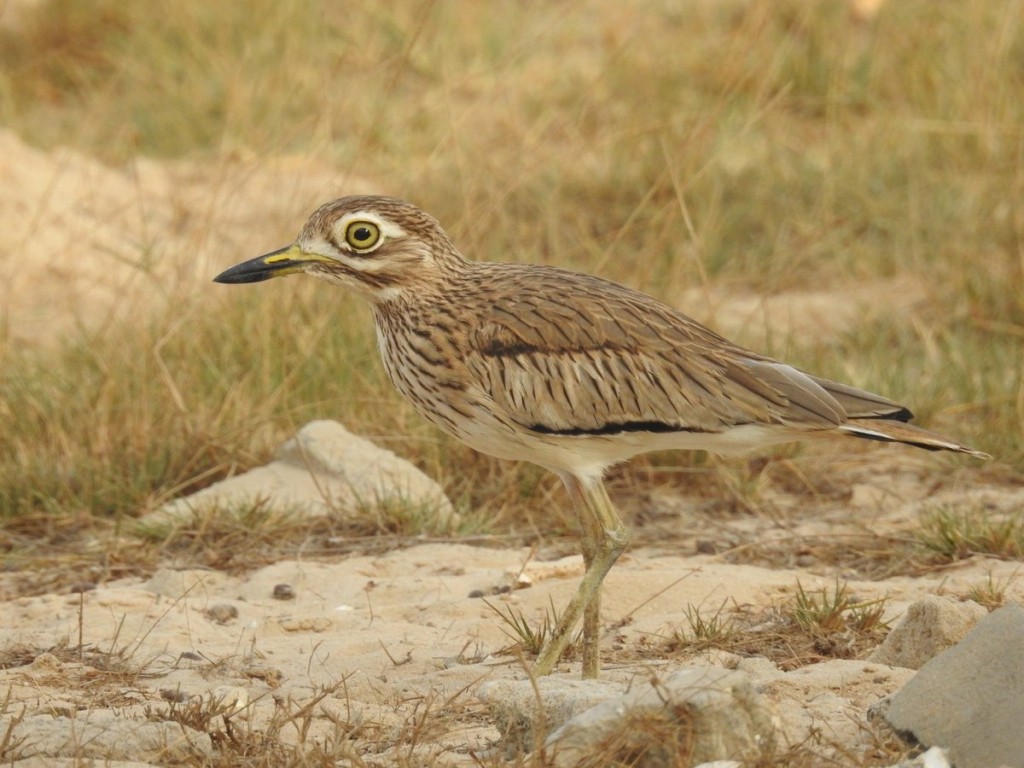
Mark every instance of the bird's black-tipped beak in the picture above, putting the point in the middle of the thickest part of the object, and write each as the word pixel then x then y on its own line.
pixel 283 261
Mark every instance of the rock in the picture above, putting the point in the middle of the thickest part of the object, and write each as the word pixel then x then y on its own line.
pixel 828 699
pixel 229 700
pixel 697 715
pixel 970 698
pixel 933 758
pixel 930 626
pixel 323 469
pixel 102 735
pixel 525 721
pixel 283 592
pixel 222 613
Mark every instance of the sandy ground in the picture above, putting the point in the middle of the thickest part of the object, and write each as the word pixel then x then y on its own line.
pixel 391 639
pixel 394 638
pixel 97 241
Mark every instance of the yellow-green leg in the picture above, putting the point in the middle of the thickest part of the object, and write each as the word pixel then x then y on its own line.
pixel 604 537
pixel 591 650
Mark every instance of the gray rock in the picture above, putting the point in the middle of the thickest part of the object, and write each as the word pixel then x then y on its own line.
pixel 933 758
pixel 696 715
pixel 525 716
pixel 930 626
pixel 828 699
pixel 102 735
pixel 323 469
pixel 970 698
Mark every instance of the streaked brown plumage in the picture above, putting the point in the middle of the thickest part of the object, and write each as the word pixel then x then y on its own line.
pixel 563 369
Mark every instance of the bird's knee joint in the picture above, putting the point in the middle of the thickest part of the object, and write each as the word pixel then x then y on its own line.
pixel 615 540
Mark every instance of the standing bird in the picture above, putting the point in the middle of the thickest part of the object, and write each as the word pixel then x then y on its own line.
pixel 564 370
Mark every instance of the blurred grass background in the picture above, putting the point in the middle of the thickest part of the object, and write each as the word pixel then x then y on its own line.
pixel 730 146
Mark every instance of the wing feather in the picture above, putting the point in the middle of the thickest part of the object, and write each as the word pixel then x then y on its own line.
pixel 613 360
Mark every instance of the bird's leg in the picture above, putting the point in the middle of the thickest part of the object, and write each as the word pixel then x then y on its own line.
pixel 604 538
pixel 590 534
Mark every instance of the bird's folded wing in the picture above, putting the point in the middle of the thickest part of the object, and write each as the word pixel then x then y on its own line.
pixel 595 372
pixel 860 404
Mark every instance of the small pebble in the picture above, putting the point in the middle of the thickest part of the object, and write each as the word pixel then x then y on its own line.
pixel 283 592
pixel 222 613
pixel 232 699
pixel 269 675
pixel 174 695
pixel 476 593
pixel 706 547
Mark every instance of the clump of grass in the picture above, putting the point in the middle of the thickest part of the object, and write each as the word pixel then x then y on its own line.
pixel 831 611
pixel 244 536
pixel 529 638
pixel 716 630
pixel 285 738
pixel 814 625
pixel 86 438
pixel 870 556
pixel 828 623
pixel 232 537
pixel 86 435
pixel 206 714
pixel 396 516
pixel 991 593
pixel 952 534
pixel 293 729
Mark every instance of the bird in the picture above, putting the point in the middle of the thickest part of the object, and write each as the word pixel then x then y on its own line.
pixel 564 369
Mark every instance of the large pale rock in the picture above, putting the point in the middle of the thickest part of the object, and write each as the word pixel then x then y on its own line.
pixel 828 699
pixel 930 626
pixel 525 714
pixel 102 735
pixel 701 714
pixel 935 757
pixel 970 698
pixel 323 469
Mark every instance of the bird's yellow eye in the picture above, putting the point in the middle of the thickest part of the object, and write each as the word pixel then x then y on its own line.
pixel 362 235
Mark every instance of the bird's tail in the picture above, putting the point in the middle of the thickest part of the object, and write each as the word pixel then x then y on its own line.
pixel 891 431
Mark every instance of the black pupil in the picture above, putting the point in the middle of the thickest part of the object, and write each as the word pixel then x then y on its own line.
pixel 361 234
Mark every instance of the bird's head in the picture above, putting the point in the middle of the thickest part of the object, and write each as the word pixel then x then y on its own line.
pixel 378 246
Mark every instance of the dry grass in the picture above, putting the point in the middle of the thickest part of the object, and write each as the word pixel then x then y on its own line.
pixel 869 556
pixel 991 593
pixel 811 627
pixel 277 730
pixel 956 534
pixel 528 639
pixel 781 147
